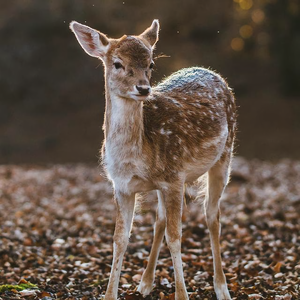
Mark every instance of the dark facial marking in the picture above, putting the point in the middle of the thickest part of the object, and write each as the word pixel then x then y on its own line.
pixel 136 51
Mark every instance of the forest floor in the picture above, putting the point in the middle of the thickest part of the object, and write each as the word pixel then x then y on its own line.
pixel 57 224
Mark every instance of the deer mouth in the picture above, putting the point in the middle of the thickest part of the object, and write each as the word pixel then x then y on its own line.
pixel 138 97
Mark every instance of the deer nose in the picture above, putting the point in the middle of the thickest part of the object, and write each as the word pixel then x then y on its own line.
pixel 144 90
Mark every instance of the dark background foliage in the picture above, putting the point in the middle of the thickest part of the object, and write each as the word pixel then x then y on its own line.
pixel 51 92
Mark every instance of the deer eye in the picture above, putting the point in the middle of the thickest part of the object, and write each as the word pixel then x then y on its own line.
pixel 151 65
pixel 118 65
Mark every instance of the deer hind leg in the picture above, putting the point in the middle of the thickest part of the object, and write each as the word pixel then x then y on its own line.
pixel 125 208
pixel 173 197
pixel 147 280
pixel 217 180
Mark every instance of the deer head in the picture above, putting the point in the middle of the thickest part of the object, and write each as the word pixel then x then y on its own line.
pixel 128 60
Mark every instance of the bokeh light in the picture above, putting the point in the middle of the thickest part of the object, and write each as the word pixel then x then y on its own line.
pixel 246 31
pixel 246 4
pixel 258 16
pixel 294 8
pixel 237 44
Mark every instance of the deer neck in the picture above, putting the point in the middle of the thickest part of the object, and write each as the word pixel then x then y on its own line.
pixel 123 122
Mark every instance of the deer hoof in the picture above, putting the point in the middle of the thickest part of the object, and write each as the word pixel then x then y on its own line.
pixel 145 288
pixel 222 292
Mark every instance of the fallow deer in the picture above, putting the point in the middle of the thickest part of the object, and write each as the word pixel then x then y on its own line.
pixel 159 139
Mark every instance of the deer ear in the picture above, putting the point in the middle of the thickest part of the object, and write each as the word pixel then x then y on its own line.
pixel 151 33
pixel 93 42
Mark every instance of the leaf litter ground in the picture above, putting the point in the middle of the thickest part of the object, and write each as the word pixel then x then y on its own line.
pixel 57 226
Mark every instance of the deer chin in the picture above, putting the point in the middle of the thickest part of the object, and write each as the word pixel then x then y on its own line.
pixel 137 97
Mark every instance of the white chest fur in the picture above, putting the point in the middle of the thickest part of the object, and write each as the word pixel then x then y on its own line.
pixel 125 167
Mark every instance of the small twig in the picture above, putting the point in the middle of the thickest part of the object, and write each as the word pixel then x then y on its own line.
pixel 162 56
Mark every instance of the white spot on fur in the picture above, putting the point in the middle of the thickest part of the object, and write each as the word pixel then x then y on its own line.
pixel 167 132
pixel 176 102
pixel 217 90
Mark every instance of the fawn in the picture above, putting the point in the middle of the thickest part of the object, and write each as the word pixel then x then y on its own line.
pixel 159 139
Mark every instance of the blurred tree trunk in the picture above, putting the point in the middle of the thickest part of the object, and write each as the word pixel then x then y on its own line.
pixel 284 22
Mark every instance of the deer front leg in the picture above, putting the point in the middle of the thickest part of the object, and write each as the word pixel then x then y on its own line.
pixel 147 280
pixel 125 209
pixel 173 196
